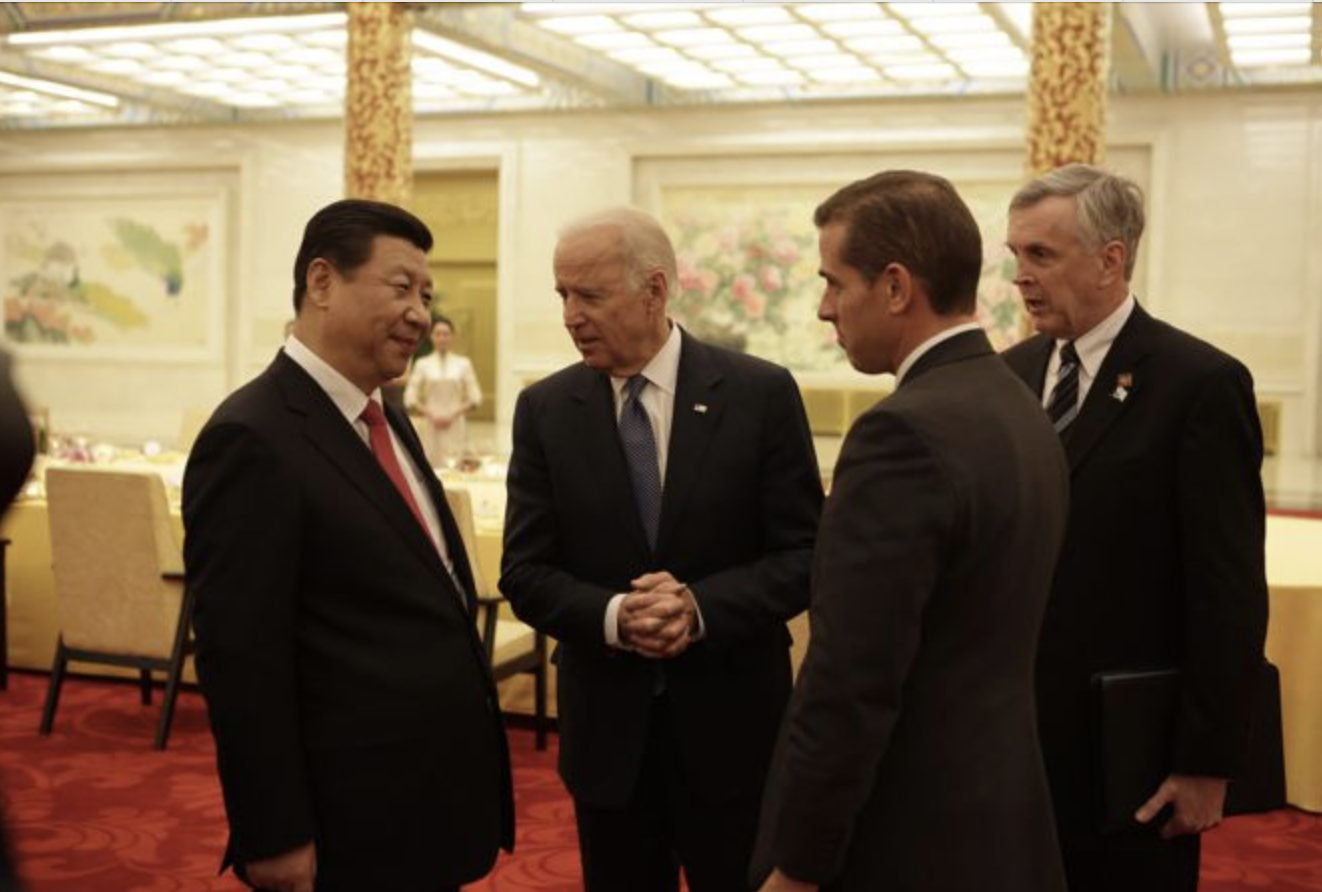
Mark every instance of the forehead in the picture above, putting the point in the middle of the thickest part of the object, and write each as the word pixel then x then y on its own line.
pixel 391 253
pixel 1051 219
pixel 590 253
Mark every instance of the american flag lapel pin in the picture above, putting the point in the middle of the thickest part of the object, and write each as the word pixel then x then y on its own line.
pixel 1123 382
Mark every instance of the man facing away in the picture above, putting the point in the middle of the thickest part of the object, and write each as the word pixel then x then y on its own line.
pixel 1163 563
pixel 663 499
pixel 357 735
pixel 908 759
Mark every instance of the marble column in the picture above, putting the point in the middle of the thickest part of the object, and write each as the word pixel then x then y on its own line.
pixel 378 107
pixel 1067 86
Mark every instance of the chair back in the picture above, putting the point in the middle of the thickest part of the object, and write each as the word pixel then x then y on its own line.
pixel 111 540
pixel 461 506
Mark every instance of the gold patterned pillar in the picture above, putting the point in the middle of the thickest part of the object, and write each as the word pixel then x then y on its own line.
pixel 1067 86
pixel 378 107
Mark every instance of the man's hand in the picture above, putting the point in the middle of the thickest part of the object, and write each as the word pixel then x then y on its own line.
pixel 1198 802
pixel 659 617
pixel 778 882
pixel 293 871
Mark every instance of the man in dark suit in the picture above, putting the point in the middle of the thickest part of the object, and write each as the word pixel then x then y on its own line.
pixel 663 498
pixel 1163 562
pixel 907 761
pixel 17 449
pixel 357 735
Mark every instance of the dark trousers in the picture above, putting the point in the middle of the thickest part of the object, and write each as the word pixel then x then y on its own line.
pixel 667 825
pixel 1160 866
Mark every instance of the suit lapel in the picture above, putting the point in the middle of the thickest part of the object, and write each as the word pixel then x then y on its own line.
pixel 1104 405
pixel 603 454
pixel 694 420
pixel 328 432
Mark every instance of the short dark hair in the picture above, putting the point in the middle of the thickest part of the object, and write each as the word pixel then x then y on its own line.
pixel 342 232
pixel 437 318
pixel 914 219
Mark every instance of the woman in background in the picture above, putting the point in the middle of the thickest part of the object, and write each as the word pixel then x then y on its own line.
pixel 442 389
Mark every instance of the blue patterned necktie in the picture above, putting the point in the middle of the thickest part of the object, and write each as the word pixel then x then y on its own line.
pixel 1064 405
pixel 640 452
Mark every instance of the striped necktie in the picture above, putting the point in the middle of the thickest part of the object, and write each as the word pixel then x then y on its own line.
pixel 1064 405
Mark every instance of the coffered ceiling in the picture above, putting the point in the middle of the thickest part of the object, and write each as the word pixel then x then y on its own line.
pixel 69 64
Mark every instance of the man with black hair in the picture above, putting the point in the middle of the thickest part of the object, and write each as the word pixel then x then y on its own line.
pixel 357 734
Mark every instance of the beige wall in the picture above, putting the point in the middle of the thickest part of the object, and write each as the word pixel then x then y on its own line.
pixel 1234 251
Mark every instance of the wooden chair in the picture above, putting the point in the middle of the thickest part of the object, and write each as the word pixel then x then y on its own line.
pixel 512 647
pixel 118 581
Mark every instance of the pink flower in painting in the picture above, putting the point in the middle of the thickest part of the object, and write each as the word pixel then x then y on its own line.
pixel 691 278
pixel 742 287
pixel 785 251
pixel 707 282
pixel 771 278
pixel 14 309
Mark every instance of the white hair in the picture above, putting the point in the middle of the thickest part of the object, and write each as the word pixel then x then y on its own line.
pixel 644 245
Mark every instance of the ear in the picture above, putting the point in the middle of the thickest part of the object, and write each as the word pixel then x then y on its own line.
pixel 1113 257
pixel 320 277
pixel 658 288
pixel 896 288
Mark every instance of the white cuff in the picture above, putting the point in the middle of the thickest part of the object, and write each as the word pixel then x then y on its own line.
pixel 613 622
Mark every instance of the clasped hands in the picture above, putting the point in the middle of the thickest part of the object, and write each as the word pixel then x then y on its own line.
pixel 659 618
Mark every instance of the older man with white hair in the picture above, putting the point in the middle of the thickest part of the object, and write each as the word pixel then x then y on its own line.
pixel 663 503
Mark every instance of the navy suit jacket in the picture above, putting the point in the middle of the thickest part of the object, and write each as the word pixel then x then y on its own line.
pixel 738 519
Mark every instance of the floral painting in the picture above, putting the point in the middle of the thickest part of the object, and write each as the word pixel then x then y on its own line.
pixel 122 274
pixel 748 269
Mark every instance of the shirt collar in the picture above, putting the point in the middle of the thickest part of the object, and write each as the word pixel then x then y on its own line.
pixel 343 393
pixel 1093 344
pixel 917 352
pixel 662 371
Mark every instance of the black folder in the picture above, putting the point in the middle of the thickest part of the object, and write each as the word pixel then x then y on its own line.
pixel 1136 714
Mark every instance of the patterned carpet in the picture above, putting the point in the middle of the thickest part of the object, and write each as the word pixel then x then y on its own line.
pixel 94 809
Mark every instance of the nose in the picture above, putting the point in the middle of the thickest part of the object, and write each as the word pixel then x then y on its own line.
pixel 826 307
pixel 571 312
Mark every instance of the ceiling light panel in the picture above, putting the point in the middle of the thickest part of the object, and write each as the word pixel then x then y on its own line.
pixel 766 44
pixel 288 62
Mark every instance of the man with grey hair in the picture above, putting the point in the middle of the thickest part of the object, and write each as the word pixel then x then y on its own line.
pixel 663 504
pixel 1162 565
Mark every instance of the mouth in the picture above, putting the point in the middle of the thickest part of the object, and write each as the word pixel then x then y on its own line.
pixel 1035 306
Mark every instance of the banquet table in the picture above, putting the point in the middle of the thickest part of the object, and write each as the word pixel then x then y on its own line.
pixel 1294 636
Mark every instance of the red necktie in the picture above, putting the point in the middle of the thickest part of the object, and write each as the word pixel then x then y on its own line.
pixel 384 450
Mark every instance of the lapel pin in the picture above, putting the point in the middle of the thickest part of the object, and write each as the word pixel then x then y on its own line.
pixel 700 408
pixel 1123 382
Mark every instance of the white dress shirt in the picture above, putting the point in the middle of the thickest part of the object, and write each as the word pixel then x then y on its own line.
pixel 916 353
pixel 351 401
pixel 1092 347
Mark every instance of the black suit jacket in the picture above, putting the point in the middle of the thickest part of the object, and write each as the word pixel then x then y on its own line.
pixel 1163 562
pixel 738 518
pixel 907 761
pixel 348 693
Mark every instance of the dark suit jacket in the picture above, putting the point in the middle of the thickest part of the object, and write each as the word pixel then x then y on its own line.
pixel 738 517
pixel 1163 561
pixel 16 452
pixel 347 690
pixel 907 761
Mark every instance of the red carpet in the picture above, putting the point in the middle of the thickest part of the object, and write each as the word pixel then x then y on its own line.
pixel 94 809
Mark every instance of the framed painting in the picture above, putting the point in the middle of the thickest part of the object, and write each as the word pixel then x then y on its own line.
pixel 747 246
pixel 113 274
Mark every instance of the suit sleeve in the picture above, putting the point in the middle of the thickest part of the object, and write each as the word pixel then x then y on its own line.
pixel 1222 534
pixel 742 601
pixel 890 518
pixel 241 552
pixel 541 593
